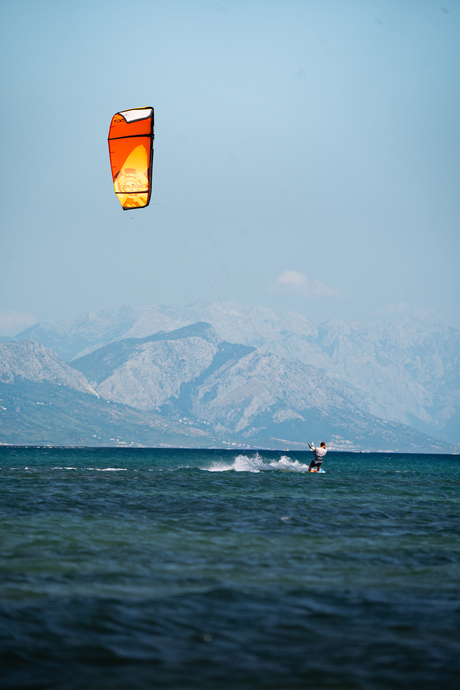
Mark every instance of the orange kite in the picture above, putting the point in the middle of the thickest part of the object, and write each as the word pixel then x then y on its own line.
pixel 131 156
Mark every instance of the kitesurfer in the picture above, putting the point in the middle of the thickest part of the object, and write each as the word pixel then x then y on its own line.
pixel 315 465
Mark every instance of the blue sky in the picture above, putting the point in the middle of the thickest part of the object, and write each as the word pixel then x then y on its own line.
pixel 314 144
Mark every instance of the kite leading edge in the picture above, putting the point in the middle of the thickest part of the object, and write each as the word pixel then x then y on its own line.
pixel 131 136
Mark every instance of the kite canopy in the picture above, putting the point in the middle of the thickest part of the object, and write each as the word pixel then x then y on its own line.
pixel 131 156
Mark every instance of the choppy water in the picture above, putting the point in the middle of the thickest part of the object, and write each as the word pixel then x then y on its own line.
pixel 142 568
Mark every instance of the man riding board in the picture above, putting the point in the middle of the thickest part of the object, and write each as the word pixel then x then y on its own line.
pixel 315 465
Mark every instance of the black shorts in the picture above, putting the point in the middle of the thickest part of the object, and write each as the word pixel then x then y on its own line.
pixel 316 463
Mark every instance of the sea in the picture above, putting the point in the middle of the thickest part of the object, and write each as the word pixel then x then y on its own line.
pixel 135 568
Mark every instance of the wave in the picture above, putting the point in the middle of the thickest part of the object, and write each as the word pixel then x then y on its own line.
pixel 255 463
pixel 110 469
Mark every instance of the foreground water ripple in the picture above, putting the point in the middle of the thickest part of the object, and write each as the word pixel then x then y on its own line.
pixel 136 568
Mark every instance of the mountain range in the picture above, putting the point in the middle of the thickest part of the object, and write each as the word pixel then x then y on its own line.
pixel 44 401
pixel 182 387
pixel 407 372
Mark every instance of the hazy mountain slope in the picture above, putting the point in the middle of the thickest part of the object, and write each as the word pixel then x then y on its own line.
pixel 238 392
pixel 261 397
pixel 33 362
pixel 43 413
pixel 407 371
pixel 43 400
pixel 146 372
pixel 252 326
pixel 77 337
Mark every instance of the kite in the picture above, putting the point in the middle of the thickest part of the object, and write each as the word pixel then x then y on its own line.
pixel 131 156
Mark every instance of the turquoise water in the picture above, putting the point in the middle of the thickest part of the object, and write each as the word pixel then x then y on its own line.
pixel 137 568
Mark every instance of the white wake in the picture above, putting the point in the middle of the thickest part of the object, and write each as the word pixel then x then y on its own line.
pixel 255 463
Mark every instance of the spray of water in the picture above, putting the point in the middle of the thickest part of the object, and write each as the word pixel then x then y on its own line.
pixel 255 463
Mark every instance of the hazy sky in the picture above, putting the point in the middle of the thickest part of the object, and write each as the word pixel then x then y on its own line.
pixel 316 142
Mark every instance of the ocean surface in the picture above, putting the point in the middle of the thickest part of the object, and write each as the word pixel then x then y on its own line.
pixel 136 568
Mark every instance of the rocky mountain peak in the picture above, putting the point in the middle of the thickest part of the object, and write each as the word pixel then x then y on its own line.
pixel 31 361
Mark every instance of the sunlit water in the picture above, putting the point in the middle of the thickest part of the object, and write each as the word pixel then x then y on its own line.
pixel 142 568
